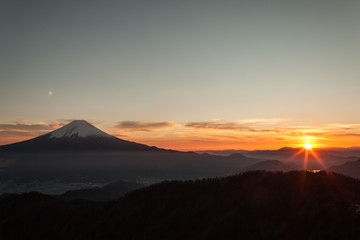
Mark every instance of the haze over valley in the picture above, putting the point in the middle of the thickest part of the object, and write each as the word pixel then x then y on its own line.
pixel 79 156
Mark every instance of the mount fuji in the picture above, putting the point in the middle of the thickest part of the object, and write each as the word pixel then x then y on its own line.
pixel 78 128
pixel 79 154
pixel 78 135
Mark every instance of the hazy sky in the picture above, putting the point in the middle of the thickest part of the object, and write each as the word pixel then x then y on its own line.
pixel 169 73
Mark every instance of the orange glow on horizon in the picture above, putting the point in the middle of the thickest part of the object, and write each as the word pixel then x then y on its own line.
pixel 213 136
pixel 203 143
pixel 308 150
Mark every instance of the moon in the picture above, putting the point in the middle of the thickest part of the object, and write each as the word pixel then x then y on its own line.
pixel 50 93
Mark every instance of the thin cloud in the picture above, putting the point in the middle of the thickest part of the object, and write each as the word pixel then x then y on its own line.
pixel 217 134
pixel 217 125
pixel 246 125
pixel 8 134
pixel 233 126
pixel 258 127
pixel 27 127
pixel 343 126
pixel 144 126
pixel 264 121
pixel 21 130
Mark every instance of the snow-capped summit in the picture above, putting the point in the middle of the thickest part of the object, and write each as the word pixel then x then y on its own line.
pixel 78 135
pixel 78 128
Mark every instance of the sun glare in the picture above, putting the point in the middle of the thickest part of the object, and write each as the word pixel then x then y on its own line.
pixel 308 145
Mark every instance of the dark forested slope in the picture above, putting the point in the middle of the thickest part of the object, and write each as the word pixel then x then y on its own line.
pixel 253 205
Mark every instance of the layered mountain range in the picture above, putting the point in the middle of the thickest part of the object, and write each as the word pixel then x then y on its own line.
pixel 79 155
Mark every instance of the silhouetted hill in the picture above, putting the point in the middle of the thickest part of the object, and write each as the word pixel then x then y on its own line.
pixel 328 156
pixel 351 168
pixel 108 192
pixel 253 205
pixel 272 165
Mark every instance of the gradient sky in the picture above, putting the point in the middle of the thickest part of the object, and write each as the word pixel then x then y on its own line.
pixel 183 74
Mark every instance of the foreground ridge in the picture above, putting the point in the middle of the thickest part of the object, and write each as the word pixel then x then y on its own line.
pixel 253 205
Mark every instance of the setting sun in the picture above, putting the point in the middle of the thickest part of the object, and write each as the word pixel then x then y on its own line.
pixel 308 145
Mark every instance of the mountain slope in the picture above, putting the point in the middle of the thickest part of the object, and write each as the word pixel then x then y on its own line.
pixel 108 192
pixel 253 205
pixel 272 165
pixel 78 135
pixel 79 153
pixel 78 128
pixel 350 168
pixel 328 157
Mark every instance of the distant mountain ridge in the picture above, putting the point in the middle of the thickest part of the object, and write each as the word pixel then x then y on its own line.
pixel 272 165
pixel 329 156
pixel 79 153
pixel 350 168
pixel 78 135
